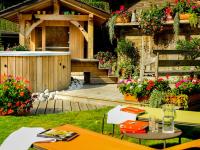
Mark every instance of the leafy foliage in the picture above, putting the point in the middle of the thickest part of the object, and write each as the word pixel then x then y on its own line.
pixel 151 20
pixel 192 45
pixel 157 98
pixel 128 58
pixel 19 48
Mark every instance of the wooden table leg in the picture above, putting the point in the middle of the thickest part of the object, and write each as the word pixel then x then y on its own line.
pixel 179 140
pixel 113 130
pixel 122 136
pixel 164 144
pixel 140 141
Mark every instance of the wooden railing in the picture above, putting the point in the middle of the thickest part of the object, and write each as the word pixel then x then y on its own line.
pixel 174 62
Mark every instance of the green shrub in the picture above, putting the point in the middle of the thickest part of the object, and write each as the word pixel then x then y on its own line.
pixel 157 99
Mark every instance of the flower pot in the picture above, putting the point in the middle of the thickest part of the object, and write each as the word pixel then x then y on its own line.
pixel 119 19
pixel 194 102
pixel 129 97
pixel 127 19
pixel 184 16
pixel 132 98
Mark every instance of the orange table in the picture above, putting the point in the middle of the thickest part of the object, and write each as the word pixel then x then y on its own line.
pixel 89 140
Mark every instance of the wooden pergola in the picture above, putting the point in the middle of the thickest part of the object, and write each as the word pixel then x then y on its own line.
pixel 48 13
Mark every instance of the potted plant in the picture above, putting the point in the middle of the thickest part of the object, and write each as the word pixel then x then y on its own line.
pixel 118 16
pixel 106 59
pixel 190 87
pixel 141 91
pixel 157 99
pixel 15 96
pixel 151 20
pixel 180 100
pixel 128 57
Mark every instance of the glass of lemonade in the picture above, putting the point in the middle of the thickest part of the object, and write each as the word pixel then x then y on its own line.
pixel 168 118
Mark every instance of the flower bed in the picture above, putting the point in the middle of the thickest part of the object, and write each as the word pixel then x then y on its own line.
pixel 15 96
pixel 185 92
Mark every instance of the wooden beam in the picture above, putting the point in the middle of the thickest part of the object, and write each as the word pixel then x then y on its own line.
pixel 62 17
pixel 32 41
pixel 56 7
pixel 21 31
pixel 80 27
pixel 54 23
pixel 35 24
pixel 43 38
pixel 90 36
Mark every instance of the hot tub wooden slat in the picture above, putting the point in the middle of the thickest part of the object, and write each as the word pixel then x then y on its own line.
pixel 55 73
pixel 4 64
pixel 19 65
pixel 44 72
pixel 51 73
pixel 39 74
pixel 11 65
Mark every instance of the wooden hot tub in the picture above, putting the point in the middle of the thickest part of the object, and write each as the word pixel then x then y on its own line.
pixel 44 70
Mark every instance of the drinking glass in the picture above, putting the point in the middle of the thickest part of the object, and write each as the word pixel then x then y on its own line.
pixel 168 118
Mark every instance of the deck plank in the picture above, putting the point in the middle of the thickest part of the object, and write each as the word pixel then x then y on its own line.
pixel 58 106
pixel 83 106
pixel 50 107
pixel 66 106
pixel 42 107
pixel 35 107
pixel 75 106
pixel 91 106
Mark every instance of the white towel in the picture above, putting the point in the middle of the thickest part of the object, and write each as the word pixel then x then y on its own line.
pixel 23 138
pixel 116 116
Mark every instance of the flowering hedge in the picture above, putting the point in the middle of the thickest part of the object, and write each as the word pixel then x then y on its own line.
pixel 15 96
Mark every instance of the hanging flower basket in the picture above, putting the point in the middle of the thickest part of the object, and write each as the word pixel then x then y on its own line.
pixel 119 19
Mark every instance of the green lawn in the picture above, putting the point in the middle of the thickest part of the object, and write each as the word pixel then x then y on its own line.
pixel 85 119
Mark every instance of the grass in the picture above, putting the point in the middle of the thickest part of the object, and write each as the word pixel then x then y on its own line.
pixel 86 119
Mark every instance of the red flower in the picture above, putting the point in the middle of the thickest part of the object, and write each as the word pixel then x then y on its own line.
pixel 18 104
pixel 176 1
pixel 10 111
pixel 160 79
pixel 167 76
pixel 21 94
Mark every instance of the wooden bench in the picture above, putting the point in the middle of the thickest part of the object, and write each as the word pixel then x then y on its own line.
pixel 173 63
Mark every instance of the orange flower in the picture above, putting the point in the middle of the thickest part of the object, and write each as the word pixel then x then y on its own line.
pixel 21 94
pixel 10 111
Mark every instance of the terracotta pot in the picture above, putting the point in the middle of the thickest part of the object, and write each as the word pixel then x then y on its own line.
pixel 184 16
pixel 194 102
pixel 132 98
pixel 127 19
pixel 119 19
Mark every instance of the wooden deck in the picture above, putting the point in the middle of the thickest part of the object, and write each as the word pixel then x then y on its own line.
pixel 57 106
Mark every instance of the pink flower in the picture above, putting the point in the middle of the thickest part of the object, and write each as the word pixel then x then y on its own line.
pixel 121 8
pixel 194 7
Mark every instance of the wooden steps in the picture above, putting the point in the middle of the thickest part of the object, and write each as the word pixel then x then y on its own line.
pixel 93 74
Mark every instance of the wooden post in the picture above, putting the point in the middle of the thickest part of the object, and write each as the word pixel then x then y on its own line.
pixel 157 65
pixel 142 60
pixel 43 38
pixel 56 7
pixel 21 30
pixel 32 42
pixel 90 36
